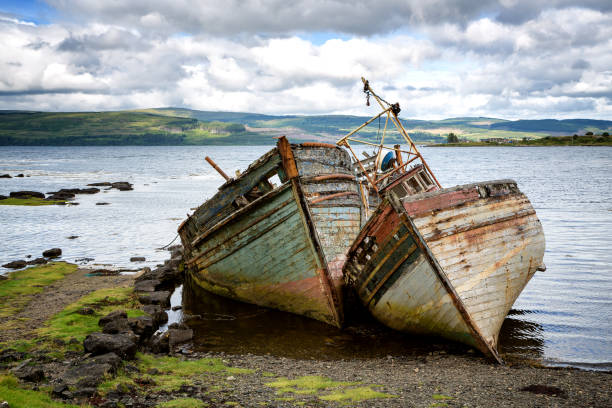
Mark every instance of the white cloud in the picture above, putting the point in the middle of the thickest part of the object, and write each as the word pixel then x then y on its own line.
pixel 133 55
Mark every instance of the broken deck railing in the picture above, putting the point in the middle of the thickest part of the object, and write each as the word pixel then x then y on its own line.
pixel 372 169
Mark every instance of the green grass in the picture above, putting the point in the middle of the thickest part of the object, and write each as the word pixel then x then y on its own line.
pixel 441 397
pixel 18 289
pixel 356 395
pixel 183 403
pixel 310 384
pixel 173 372
pixel 19 397
pixel 29 202
pixel 327 389
pixel 69 324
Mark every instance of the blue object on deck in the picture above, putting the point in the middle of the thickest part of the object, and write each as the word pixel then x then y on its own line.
pixel 387 161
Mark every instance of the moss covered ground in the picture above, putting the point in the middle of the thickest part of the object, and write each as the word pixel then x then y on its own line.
pixel 18 289
pixel 30 202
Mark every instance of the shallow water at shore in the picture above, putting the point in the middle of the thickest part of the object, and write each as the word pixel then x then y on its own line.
pixel 564 315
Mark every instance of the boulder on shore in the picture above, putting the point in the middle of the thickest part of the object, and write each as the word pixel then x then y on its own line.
pixel 5 176
pixel 15 264
pixel 117 314
pixel 158 314
pixel 101 184
pixel 137 259
pixel 122 186
pixel 149 285
pixel 101 343
pixel 27 194
pixel 28 373
pixel 37 261
pixel 52 253
pixel 161 298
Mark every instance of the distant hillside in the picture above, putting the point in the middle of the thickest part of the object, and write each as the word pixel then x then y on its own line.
pixel 116 128
pixel 553 126
pixel 177 126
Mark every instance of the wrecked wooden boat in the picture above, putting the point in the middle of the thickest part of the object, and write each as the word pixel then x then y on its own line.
pixel 283 246
pixel 445 262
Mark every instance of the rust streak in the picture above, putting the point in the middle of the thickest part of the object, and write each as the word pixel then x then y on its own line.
pixel 336 176
pixel 330 196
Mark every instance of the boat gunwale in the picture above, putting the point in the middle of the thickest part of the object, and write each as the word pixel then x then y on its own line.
pixel 429 194
pixel 239 212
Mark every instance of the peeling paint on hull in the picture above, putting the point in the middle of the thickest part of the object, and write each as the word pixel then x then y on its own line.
pixel 450 262
pixel 286 248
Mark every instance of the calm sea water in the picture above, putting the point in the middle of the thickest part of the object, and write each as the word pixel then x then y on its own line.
pixel 564 315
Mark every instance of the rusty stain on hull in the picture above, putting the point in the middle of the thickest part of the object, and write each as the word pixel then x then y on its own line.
pixel 279 246
pixel 478 246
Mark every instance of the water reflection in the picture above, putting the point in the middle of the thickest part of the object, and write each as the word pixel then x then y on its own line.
pixel 520 337
pixel 222 324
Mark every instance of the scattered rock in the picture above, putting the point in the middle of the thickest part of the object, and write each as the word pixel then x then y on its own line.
pixel 52 253
pixel 27 194
pixel 86 311
pixel 5 176
pixel 83 260
pixel 143 326
pixel 117 314
pixel 37 261
pixel 116 326
pixel 158 315
pixel 150 285
pixel 160 343
pixel 178 336
pixel 72 237
pixel 177 307
pixel 59 196
pixel 3 277
pixel 19 264
pixel 85 392
pixel 102 203
pixel 28 373
pixel 111 359
pixel 137 259
pixel 122 186
pixel 101 343
pixel 59 389
pixel 20 175
pixel 4 404
pixel 164 274
pixel 101 184
pixel 161 298
pixel 10 355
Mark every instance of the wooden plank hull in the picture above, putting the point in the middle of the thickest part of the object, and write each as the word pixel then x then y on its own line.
pixel 450 262
pixel 286 249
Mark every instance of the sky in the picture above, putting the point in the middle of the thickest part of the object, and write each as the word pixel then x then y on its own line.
pixel 510 59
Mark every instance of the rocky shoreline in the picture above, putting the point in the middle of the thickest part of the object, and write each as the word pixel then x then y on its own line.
pixel 99 344
pixel 62 196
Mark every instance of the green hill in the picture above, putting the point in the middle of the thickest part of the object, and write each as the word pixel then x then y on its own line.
pixel 178 126
pixel 116 128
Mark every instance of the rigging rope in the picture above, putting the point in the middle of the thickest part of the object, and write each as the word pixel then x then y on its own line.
pixel 166 246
